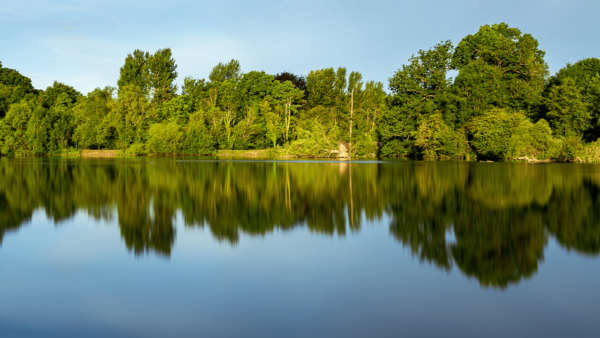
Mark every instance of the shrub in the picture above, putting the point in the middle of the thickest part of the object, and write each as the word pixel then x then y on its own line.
pixel 534 140
pixel 198 140
pixel 491 133
pixel 165 138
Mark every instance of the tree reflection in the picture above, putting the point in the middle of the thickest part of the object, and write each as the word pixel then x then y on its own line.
pixel 489 220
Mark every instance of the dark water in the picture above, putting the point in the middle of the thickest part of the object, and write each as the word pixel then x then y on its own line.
pixel 182 247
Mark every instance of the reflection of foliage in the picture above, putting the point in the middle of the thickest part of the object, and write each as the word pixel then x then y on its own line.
pixel 499 247
pixel 497 212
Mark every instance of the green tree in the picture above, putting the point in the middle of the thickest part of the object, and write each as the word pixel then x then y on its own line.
pixel 198 138
pixel 153 74
pixel 93 128
pixel 491 132
pixel 14 87
pixel 286 97
pixel 418 89
pixel 320 87
pixel 498 67
pixel 226 71
pixel 51 95
pixel 586 74
pixel 534 140
pixel 567 110
pixel 165 138
pixel 135 71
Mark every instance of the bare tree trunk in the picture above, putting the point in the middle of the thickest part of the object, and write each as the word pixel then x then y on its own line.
pixel 351 116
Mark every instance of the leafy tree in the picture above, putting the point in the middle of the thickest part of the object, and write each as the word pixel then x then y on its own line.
pixel 492 131
pixel 13 129
pixel 424 81
pixel 286 97
pixel 418 89
pixel 14 87
pixel 135 71
pixel 92 122
pixel 567 111
pixel 298 81
pixel 586 74
pixel 165 138
pixel 132 114
pixel 177 109
pixel 498 67
pixel 320 87
pixel 397 129
pixel 51 95
pixel 163 71
pixel 153 74
pixel 226 71
pixel 198 139
pixel 254 87
pixel 534 140
pixel 273 122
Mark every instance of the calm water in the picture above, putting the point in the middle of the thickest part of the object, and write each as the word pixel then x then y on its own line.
pixel 186 247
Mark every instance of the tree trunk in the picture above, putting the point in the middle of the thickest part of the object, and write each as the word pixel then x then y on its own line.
pixel 351 116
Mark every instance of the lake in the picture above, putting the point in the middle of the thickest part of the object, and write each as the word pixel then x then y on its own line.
pixel 190 247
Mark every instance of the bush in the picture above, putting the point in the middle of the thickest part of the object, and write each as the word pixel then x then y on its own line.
pixel 136 149
pixel 591 152
pixel 436 139
pixel 535 141
pixel 165 138
pixel 198 140
pixel 492 132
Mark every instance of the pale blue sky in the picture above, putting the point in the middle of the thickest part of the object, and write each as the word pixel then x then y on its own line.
pixel 83 43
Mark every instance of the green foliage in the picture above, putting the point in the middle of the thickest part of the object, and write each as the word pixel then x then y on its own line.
pixel 198 140
pixel 534 141
pixel 273 122
pixel 491 132
pixel 590 152
pixel 397 128
pixel 153 74
pixel 13 129
pixel 498 67
pixel 14 87
pixel 567 111
pixel 132 114
pixel 316 135
pixel 424 79
pixel 165 138
pixel 326 87
pixel 500 71
pixel 177 109
pixel 226 71
pixel 437 140
pixel 92 120
pixel 58 90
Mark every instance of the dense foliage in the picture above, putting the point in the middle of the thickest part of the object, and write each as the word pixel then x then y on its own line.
pixel 502 104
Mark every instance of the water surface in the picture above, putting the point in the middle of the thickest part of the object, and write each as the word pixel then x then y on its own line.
pixel 154 247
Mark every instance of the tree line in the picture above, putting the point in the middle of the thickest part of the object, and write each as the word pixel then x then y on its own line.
pixel 502 104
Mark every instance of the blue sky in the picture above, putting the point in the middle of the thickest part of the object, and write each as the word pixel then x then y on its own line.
pixel 83 43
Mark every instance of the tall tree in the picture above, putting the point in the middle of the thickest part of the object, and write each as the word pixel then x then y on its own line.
pixel 567 111
pixel 498 67
pixel 418 89
pixel 297 80
pixel 152 73
pixel 14 87
pixel 226 71
pixel 586 74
